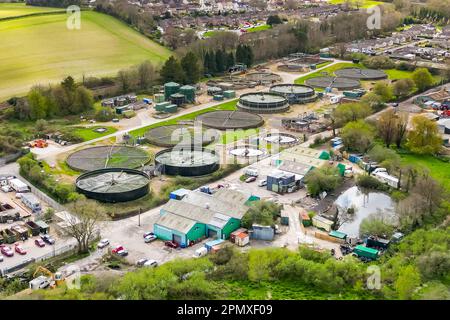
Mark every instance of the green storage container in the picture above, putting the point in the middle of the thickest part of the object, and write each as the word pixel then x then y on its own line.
pixel 188 92
pixel 171 108
pixel 365 252
pixel 229 94
pixel 162 106
pixel 170 88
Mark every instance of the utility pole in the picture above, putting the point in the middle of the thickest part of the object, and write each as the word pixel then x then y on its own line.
pixel 139 217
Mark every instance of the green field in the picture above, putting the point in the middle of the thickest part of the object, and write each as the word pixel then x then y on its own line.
pixel 259 28
pixel 8 10
pixel 40 49
pixel 439 169
pixel 88 133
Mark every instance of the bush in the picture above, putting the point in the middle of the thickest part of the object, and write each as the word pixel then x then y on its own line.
pixel 322 179
pixel 379 62
pixel 369 182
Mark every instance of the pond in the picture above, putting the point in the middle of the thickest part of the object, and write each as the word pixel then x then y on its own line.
pixel 364 205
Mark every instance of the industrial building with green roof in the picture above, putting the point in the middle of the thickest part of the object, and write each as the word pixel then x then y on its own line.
pixel 198 215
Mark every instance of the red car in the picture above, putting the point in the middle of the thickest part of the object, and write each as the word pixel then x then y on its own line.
pixel 20 250
pixel 39 242
pixel 171 244
pixel 6 251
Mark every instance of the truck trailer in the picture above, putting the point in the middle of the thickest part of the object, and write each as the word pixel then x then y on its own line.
pixel 18 185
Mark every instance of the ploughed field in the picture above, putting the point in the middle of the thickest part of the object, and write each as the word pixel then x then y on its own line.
pixel 41 50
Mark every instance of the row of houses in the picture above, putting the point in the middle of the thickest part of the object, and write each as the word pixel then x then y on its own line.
pixel 370 46
pixel 190 216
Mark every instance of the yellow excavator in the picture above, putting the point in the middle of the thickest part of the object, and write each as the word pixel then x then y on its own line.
pixel 55 279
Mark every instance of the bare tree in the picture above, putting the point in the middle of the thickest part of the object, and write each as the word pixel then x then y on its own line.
pixel 85 222
pixel 402 124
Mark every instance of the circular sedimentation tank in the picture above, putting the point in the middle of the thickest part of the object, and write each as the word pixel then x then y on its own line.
pixel 101 157
pixel 263 103
pixel 113 184
pixel 333 82
pixel 187 162
pixel 295 93
pixel 361 74
pixel 170 136
pixel 281 138
pixel 229 119
pixel 246 152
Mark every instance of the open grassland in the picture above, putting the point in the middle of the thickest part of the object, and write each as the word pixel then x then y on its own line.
pixel 40 49
pixel 8 10
pixel 259 28
pixel 88 133
pixel 440 170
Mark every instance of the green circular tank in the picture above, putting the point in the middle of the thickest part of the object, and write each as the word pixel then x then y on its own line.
pixel 188 92
pixel 170 88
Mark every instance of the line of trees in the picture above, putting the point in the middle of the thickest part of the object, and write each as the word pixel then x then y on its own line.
pixel 43 102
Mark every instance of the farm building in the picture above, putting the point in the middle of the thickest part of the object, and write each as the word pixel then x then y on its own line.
pixel 199 215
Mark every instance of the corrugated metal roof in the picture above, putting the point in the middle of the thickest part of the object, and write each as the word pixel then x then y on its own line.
pixel 175 222
pixel 220 204
pixel 188 210
pixel 232 196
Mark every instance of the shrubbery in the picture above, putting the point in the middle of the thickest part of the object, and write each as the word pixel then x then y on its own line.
pixel 32 171
pixel 369 182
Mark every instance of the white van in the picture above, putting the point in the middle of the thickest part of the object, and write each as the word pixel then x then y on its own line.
pixel 262 183
pixel 252 172
pixel 200 252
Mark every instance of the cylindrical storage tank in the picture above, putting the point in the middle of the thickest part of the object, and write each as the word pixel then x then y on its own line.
pixel 213 91
pixel 189 93
pixel 159 97
pixel 229 94
pixel 259 102
pixel 178 99
pixel 187 162
pixel 113 184
pixel 295 93
pixel 170 88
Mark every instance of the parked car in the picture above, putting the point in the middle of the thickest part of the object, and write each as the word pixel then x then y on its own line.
pixel 171 244
pixel 103 243
pixel 115 120
pixel 146 234
pixel 250 179
pixel 6 251
pixel 48 239
pixel 7 189
pixel 1 258
pixel 262 183
pixel 150 238
pixel 151 263
pixel 20 250
pixel 141 262
pixel 120 251
pixel 39 242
